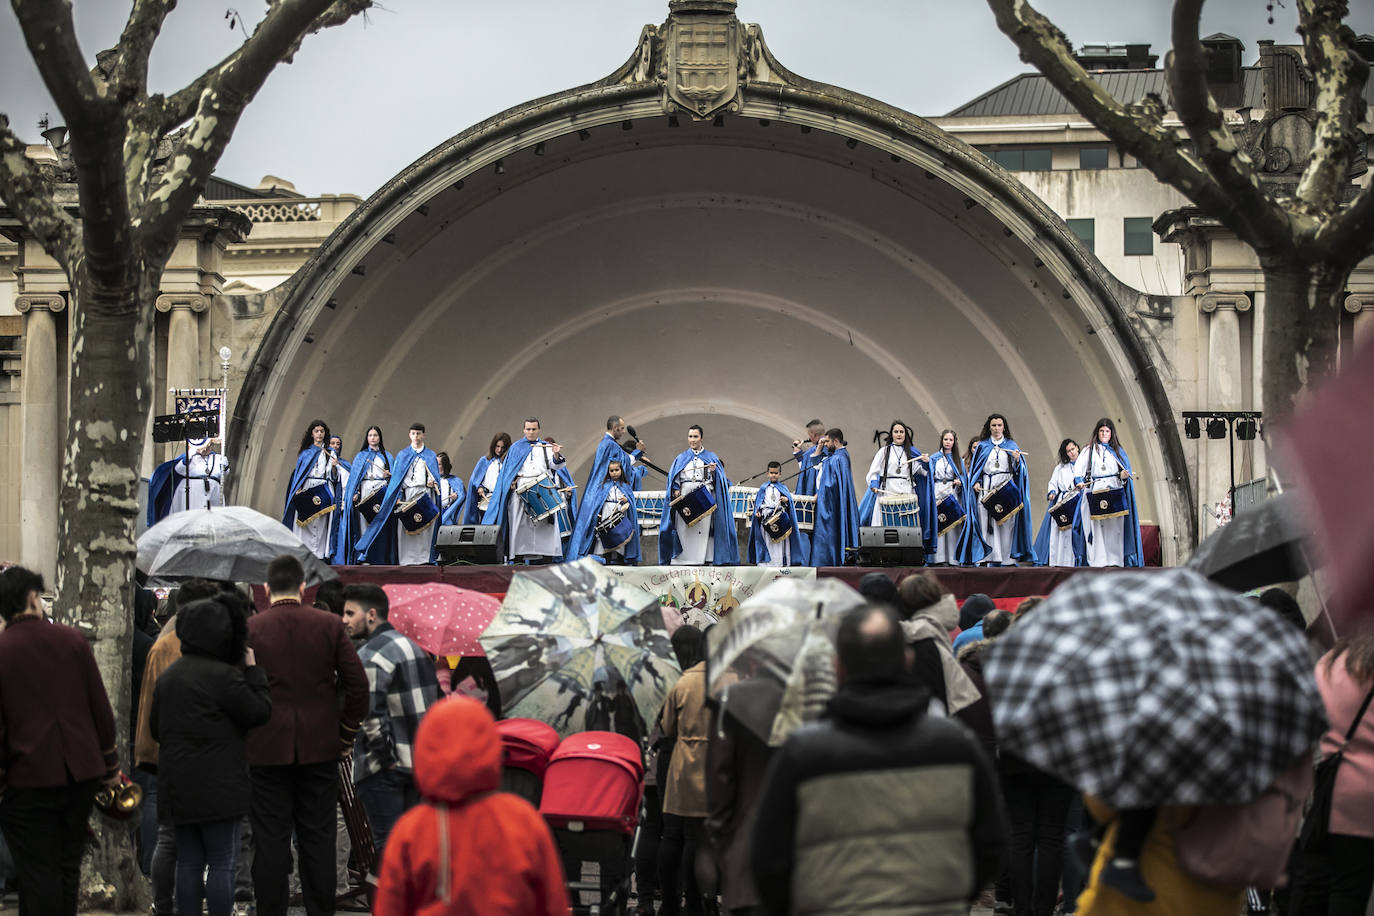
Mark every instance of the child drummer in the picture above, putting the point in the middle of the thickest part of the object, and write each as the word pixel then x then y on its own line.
pixel 773 515
pixel 618 500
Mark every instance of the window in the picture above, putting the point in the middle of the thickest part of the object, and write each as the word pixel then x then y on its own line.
pixel 1023 160
pixel 1139 237
pixel 1092 157
pixel 1083 228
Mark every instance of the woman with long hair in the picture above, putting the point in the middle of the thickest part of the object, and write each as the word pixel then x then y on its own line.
pixel 1111 524
pixel 999 535
pixel 1056 546
pixel 452 493
pixel 308 515
pixel 945 478
pixel 483 478
pixel 368 475
pixel 894 472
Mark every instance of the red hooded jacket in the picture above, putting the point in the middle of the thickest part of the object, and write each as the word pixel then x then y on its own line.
pixel 468 848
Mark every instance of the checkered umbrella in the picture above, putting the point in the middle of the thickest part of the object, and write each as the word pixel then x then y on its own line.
pixel 1152 688
pixel 558 625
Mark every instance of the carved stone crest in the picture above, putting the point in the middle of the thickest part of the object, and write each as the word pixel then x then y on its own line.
pixel 703 62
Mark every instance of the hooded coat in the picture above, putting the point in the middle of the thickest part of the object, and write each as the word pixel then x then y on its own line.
pixel 203 706
pixel 468 848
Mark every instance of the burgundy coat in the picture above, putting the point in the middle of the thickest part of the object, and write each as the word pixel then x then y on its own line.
pixel 309 663
pixel 55 717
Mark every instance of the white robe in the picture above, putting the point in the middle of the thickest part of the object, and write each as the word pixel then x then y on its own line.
pixel 205 484
pixel 374 478
pixel 414 549
pixel 698 546
pixel 488 482
pixel 528 538
pixel 779 551
pixel 315 535
pixel 900 472
pixel 1106 536
pixel 1061 541
pixel 996 470
pixel 614 494
pixel 947 544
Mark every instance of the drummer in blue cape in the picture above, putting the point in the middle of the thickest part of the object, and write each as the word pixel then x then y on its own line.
pixel 526 497
pixel 694 531
pixel 411 503
pixel 1001 531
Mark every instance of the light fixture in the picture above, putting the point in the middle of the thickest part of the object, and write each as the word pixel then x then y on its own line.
pixel 539 148
pixel 584 134
pixel 851 143
pixel 672 121
pixel 500 166
pixel 458 185
pixel 1192 428
pixel 1245 429
pixel 627 124
pixel 1216 428
pixel 718 121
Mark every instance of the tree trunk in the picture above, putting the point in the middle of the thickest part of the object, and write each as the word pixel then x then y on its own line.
pixel 96 521
pixel 1302 314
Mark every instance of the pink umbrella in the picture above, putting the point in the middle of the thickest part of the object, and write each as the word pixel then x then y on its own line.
pixel 441 619
pixel 1328 441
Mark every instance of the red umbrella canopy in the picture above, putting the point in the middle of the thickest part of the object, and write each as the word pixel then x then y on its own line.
pixel 441 619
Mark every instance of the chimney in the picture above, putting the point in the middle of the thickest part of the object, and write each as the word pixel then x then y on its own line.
pixel 1225 77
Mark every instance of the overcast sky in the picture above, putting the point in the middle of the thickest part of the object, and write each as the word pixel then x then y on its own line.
pixel 363 101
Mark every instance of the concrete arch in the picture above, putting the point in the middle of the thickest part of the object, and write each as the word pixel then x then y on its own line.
pixel 952 265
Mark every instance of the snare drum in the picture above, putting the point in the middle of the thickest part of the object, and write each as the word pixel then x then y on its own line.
pixel 310 503
pixel 418 514
pixel 778 525
pixel 370 503
pixel 742 502
pixel 1066 510
pixel 949 512
pixel 540 497
pixel 694 506
pixel 900 510
pixel 1105 504
pixel 615 532
pixel 649 507
pixel 804 508
pixel 1003 502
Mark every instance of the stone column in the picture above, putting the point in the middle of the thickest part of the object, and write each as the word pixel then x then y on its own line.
pixel 41 454
pixel 1361 305
pixel 1224 374
pixel 183 342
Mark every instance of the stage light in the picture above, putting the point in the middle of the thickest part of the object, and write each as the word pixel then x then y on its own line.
pixel 500 166
pixel 1216 428
pixel 1191 428
pixel 851 143
pixel 627 124
pixel 672 121
pixel 539 148
pixel 718 121
pixel 1245 429
pixel 584 134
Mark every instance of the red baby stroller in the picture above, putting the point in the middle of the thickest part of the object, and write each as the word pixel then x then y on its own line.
pixel 526 745
pixel 592 792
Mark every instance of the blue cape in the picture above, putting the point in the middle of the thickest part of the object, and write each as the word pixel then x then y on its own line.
pixel 758 538
pixel 378 545
pixel 725 545
pixel 161 485
pixel 345 549
pixel 926 485
pixel 514 460
pixel 304 462
pixel 870 498
pixel 973 545
pixel 1042 537
pixel 594 495
pixel 453 512
pixel 810 458
pixel 837 514
pixel 471 514
pixel 1131 554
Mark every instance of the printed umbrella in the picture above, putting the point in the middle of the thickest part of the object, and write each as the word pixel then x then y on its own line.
pixel 1257 547
pixel 559 624
pixel 1155 688
pixel 771 663
pixel 231 543
pixel 441 619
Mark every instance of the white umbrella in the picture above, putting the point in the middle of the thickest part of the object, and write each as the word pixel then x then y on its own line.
pixel 229 543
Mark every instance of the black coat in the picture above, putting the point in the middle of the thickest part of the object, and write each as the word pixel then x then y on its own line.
pixel 203 707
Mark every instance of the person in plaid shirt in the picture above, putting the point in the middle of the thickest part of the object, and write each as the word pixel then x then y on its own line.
pixel 401 687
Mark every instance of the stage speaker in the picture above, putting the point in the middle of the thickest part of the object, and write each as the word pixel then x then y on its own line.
pixel 880 546
pixel 474 544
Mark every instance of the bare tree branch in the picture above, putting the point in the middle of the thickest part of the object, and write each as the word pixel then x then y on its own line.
pixel 225 91
pixel 1137 129
pixel 51 38
pixel 136 44
pixel 1340 74
pixel 1351 231
pixel 29 196
pixel 1186 70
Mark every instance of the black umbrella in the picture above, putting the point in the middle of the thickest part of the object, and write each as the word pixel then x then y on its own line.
pixel 1259 546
